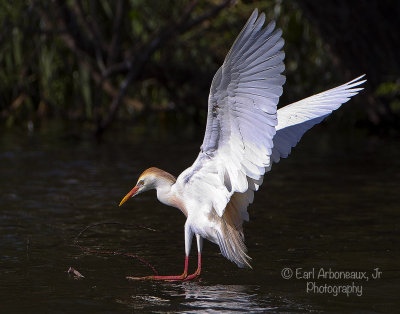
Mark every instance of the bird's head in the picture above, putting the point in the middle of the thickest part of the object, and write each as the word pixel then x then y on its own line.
pixel 150 179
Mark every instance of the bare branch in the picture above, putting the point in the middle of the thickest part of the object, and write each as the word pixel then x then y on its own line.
pixel 96 39
pixel 206 16
pixel 137 64
pixel 113 48
pixel 102 252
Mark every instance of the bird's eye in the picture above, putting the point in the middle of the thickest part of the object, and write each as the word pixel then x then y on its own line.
pixel 140 183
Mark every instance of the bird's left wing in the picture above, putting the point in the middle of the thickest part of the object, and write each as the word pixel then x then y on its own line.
pixel 297 118
pixel 241 118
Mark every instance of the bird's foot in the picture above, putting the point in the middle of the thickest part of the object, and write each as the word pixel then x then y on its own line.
pixel 167 278
pixel 192 276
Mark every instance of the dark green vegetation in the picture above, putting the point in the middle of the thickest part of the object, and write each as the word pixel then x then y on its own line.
pixel 151 62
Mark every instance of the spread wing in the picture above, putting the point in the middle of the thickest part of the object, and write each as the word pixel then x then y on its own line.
pixel 241 119
pixel 297 118
pixel 293 121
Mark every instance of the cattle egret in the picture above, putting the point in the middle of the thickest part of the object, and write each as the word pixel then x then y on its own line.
pixel 245 134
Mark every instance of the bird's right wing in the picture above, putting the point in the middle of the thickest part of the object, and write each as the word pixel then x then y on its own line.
pixel 241 119
pixel 297 118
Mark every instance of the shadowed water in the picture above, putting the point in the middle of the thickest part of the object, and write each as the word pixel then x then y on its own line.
pixel 333 204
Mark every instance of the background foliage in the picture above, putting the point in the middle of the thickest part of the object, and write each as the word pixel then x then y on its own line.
pixel 81 65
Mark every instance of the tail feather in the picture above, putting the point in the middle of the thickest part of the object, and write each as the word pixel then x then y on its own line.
pixel 231 244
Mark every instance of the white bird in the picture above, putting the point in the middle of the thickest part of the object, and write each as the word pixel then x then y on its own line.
pixel 245 134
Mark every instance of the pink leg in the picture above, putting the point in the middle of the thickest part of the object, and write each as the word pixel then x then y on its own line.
pixel 178 277
pixel 197 272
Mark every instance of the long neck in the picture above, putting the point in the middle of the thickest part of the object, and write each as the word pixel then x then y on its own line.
pixel 166 193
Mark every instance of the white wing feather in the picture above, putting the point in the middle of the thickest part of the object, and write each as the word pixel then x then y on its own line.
pixel 297 118
pixel 241 118
pixel 293 121
pixel 244 131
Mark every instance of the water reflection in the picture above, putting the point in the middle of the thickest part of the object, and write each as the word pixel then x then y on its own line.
pixel 198 297
pixel 219 297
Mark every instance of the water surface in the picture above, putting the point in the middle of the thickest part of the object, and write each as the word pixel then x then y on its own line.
pixel 333 204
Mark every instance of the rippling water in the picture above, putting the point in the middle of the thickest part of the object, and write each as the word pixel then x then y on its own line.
pixel 333 204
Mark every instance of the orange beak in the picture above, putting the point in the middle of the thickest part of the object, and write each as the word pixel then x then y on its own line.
pixel 129 195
